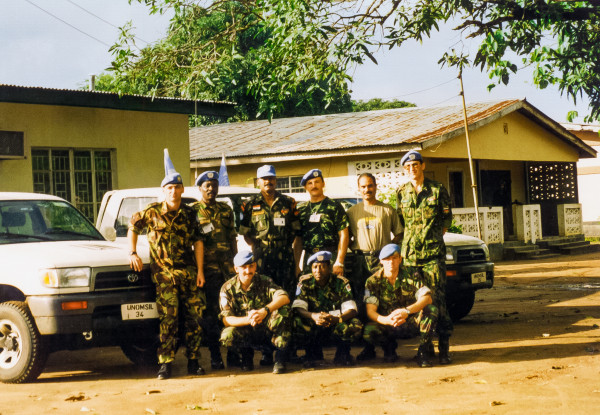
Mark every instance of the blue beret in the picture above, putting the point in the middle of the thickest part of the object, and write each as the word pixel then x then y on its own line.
pixel 412 155
pixel 243 258
pixel 311 175
pixel 389 250
pixel 171 178
pixel 265 171
pixel 207 175
pixel 321 256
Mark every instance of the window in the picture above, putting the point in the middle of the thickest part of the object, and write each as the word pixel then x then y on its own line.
pixel 456 188
pixel 79 176
pixel 290 184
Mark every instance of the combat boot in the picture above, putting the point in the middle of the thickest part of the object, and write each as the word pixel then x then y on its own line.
pixel 444 348
pixel 216 361
pixel 194 368
pixel 423 359
pixel 343 356
pixel 389 352
pixel 233 358
pixel 247 359
pixel 309 357
pixel 368 353
pixel 165 371
pixel 280 358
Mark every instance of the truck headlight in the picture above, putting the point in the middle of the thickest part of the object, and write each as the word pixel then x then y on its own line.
pixel 66 277
pixel 486 250
pixel 449 255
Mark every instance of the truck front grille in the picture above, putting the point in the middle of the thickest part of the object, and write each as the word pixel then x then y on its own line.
pixel 470 255
pixel 110 280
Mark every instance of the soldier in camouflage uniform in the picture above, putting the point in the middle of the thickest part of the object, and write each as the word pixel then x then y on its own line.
pixel 325 309
pixel 397 308
pixel 425 212
pixel 256 314
pixel 176 269
pixel 271 227
pixel 324 222
pixel 220 245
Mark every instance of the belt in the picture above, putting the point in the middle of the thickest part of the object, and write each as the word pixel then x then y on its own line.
pixel 366 253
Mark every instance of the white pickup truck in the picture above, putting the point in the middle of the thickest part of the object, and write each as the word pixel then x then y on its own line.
pixel 63 286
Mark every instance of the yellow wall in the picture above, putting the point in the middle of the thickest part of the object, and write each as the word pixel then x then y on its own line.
pixel 137 137
pixel 513 137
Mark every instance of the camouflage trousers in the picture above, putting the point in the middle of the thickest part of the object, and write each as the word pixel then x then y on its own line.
pixel 176 288
pixel 306 331
pixel 433 275
pixel 422 324
pixel 274 332
pixel 211 324
pixel 277 264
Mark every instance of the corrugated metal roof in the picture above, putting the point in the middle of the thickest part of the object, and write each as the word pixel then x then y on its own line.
pixel 103 99
pixel 350 132
pixel 335 131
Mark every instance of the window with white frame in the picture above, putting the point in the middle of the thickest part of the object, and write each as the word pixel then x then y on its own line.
pixel 81 176
pixel 290 184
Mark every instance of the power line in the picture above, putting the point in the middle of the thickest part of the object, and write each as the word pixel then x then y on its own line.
pixel 100 18
pixel 68 24
pixel 422 90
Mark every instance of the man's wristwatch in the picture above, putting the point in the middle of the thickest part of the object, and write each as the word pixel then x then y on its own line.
pixel 132 253
pixel 267 309
pixel 338 264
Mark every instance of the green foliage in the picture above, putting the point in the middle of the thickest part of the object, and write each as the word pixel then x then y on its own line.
pixel 307 45
pixel 379 104
pixel 455 228
pixel 224 53
pixel 388 197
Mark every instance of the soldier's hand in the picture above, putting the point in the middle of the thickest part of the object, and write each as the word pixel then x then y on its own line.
pixel 135 262
pixel 338 270
pixel 200 279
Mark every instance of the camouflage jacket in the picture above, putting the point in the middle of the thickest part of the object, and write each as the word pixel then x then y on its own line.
pixel 322 231
pixel 330 297
pixel 274 226
pixel 171 235
pixel 424 217
pixel 234 301
pixel 217 225
pixel 388 298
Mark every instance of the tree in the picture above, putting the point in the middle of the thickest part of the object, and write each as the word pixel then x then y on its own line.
pixel 202 57
pixel 379 104
pixel 320 40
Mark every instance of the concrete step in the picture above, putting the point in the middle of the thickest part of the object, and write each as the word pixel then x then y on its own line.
pixel 576 248
pixel 536 254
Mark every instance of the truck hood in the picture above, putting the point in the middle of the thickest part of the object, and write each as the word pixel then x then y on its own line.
pixel 457 239
pixel 61 254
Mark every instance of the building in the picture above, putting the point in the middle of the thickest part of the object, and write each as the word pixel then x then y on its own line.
pixel 588 177
pixel 521 156
pixel 79 144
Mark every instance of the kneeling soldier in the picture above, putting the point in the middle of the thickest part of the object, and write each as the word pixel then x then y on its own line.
pixel 397 308
pixel 254 308
pixel 326 309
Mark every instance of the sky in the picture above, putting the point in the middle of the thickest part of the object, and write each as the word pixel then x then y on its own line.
pixel 63 44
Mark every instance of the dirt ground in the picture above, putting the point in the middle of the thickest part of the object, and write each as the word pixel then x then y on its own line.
pixel 530 345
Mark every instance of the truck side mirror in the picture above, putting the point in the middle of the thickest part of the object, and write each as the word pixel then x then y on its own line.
pixel 109 233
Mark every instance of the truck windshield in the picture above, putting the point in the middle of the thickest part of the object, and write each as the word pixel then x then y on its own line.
pixel 43 220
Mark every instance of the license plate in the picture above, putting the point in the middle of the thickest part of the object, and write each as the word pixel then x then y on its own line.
pixel 478 277
pixel 139 311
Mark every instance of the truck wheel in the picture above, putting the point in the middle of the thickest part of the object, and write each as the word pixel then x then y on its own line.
pixel 22 352
pixel 142 352
pixel 460 304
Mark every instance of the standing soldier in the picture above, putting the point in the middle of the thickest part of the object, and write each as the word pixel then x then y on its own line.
pixel 271 227
pixel 220 245
pixel 372 226
pixel 172 232
pixel 425 213
pixel 255 313
pixel 324 222
pixel 326 309
pixel 397 308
